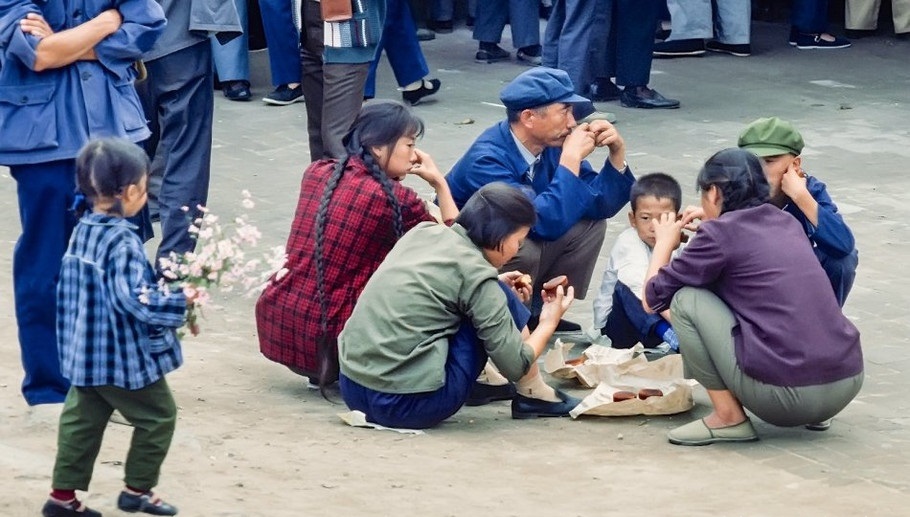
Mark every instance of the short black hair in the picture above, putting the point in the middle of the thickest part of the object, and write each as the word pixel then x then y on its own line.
pixel 494 212
pixel 513 115
pixel 739 176
pixel 659 185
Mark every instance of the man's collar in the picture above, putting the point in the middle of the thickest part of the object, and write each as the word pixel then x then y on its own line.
pixel 525 153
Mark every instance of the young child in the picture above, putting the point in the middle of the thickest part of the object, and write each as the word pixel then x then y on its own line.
pixel 804 197
pixel 618 312
pixel 116 336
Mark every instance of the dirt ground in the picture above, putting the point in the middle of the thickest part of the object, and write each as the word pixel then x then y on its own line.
pixel 253 441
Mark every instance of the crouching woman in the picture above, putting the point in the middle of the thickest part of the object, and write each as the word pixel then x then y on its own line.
pixel 436 308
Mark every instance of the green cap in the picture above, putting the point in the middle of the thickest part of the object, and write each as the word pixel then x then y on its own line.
pixel 771 137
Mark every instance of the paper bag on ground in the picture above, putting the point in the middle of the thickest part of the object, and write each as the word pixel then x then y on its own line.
pixel 590 369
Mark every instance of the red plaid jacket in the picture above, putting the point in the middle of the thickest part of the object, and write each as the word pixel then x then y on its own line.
pixel 359 233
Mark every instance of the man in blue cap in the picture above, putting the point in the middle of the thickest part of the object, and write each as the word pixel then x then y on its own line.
pixel 541 149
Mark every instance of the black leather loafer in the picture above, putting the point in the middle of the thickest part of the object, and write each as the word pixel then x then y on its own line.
pixel 482 394
pixel 427 88
pixel 524 407
pixel 644 97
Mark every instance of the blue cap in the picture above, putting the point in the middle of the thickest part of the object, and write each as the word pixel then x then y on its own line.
pixel 539 86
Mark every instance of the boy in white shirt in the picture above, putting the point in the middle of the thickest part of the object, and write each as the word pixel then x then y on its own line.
pixel 618 312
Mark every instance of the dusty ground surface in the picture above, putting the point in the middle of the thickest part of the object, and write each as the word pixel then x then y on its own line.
pixel 252 440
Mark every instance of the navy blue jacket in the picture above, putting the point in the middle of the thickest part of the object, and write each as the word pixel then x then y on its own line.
pixel 832 236
pixel 560 198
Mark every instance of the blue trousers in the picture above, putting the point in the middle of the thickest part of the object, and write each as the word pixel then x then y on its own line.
pixel 521 15
pixel 567 40
pixel 283 40
pixel 841 272
pixel 178 100
pixel 809 16
pixel 45 192
pixel 232 60
pixel 624 38
pixel 399 40
pixel 464 363
pixel 628 323
pixel 730 21
pixel 444 10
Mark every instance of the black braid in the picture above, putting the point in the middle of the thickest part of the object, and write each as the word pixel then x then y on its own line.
pixel 386 185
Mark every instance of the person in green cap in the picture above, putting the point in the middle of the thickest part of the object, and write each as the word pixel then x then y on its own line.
pixel 779 144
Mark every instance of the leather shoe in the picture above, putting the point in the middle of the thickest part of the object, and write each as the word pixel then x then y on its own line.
pixel 525 407
pixel 146 503
pixel 482 394
pixel 644 97
pixel 237 90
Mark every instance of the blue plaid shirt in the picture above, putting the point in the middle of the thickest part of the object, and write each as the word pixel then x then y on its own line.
pixel 105 334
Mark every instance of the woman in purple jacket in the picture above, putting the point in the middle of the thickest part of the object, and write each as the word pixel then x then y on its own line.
pixel 759 326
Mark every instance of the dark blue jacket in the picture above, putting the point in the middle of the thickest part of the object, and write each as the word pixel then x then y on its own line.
pixel 50 115
pixel 832 236
pixel 561 198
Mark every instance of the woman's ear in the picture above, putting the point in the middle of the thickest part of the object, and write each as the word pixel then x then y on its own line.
pixel 716 197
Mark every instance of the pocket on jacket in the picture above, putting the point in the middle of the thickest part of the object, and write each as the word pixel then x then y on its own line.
pixel 127 108
pixel 28 117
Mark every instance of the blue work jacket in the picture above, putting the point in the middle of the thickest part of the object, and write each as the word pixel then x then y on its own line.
pixel 832 236
pixel 49 115
pixel 560 198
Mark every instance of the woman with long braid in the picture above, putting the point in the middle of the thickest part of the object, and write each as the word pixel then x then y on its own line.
pixel 349 215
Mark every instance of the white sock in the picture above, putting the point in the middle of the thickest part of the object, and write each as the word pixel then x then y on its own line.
pixel 413 86
pixel 490 375
pixel 536 388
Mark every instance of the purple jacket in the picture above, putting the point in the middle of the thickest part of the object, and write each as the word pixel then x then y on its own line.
pixel 790 331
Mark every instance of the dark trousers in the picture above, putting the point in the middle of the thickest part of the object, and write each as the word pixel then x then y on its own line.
pixel 178 100
pixel 841 272
pixel 624 33
pixel 45 192
pixel 809 16
pixel 568 37
pixel 521 15
pixel 283 40
pixel 333 91
pixel 464 362
pixel 628 323
pixel 152 413
pixel 399 40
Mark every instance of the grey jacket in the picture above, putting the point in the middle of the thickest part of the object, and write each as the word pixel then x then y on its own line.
pixel 191 21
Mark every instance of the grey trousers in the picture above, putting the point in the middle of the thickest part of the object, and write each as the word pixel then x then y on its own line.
pixel 863 15
pixel 729 21
pixel 333 91
pixel 574 255
pixel 704 325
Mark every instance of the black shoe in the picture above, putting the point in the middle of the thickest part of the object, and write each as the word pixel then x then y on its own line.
pixel 282 96
pixel 824 425
pixel 604 90
pixel 429 87
pixel 71 509
pixel 741 50
pixel 237 90
pixel 491 54
pixel 482 394
pixel 530 55
pixel 545 11
pixel 425 34
pixel 146 503
pixel 680 48
pixel 562 326
pixel 470 21
pixel 524 407
pixel 441 26
pixel 661 33
pixel 644 97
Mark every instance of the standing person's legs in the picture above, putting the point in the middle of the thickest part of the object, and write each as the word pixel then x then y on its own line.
pixel 182 158
pixel 283 40
pixel 311 47
pixel 524 20
pixel 734 22
pixel 232 60
pixel 603 43
pixel 153 414
pixel 342 99
pixel 45 194
pixel 635 41
pixel 569 30
pixel 403 49
pixel 809 16
pixel 442 10
pixel 900 14
pixel 491 20
pixel 556 24
pixel 690 19
pixel 862 14
pixel 82 424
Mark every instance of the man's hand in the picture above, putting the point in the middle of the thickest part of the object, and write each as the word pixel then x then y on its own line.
pixel 36 25
pixel 576 147
pixel 606 135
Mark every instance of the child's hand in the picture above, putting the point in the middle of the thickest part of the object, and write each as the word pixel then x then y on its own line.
pixel 793 182
pixel 668 230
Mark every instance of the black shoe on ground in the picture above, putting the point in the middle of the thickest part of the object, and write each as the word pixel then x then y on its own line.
pixel 824 425
pixel 146 503
pixel 491 54
pixel 283 95
pixel 237 90
pixel 741 50
pixel 470 21
pixel 530 55
pixel 441 26
pixel 54 508
pixel 644 97
pixel 425 34
pixel 562 326
pixel 482 394
pixel 680 48
pixel 604 90
pixel 525 407
pixel 429 87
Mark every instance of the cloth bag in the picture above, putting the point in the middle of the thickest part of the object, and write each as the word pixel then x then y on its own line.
pixel 609 370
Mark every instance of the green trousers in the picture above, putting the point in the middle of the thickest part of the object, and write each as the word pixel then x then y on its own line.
pixel 86 412
pixel 705 325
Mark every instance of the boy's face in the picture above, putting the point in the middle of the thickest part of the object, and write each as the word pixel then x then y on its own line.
pixel 775 168
pixel 645 211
